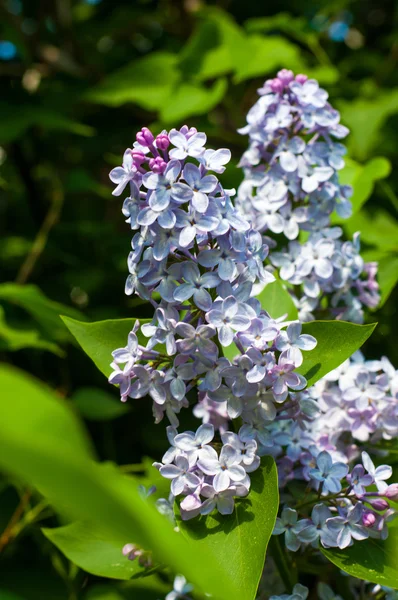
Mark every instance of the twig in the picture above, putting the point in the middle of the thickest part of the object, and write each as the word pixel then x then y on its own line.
pixel 40 242
pixel 8 534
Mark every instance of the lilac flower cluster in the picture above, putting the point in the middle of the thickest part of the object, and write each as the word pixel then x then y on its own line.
pixel 291 164
pixel 325 267
pixel 196 260
pixel 354 405
pixel 290 184
pixel 348 511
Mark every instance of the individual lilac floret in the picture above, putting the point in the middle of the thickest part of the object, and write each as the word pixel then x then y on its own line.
pixel 300 592
pixel 180 474
pixel 348 527
pixel 225 467
pixel 359 480
pixel 379 474
pixel 329 474
pixel 180 589
pixel 287 524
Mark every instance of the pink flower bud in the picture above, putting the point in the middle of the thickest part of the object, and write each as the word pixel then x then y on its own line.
pixel 379 504
pixel 145 137
pixel 276 85
pixel 162 141
pixel 138 157
pixel 368 519
pixel 392 492
pixel 301 78
pixel 131 551
pixel 285 76
pixel 157 165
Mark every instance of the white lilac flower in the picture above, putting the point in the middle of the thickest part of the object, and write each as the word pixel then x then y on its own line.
pixel 329 474
pixel 225 467
pixel 379 474
pixel 180 589
pixel 348 527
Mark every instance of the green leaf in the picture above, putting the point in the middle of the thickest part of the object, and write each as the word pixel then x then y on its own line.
pixel 16 119
pixel 12 339
pixel 262 55
pixel 371 560
pixel 337 341
pixel 93 550
pixel 387 276
pixel 147 81
pixel 277 301
pixel 96 405
pixel 39 445
pixel 240 540
pixel 363 179
pixel 379 229
pixel 365 117
pixel 190 99
pixel 101 338
pixel 43 310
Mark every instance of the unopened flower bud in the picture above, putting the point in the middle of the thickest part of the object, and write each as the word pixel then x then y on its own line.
pixel 276 85
pixel 379 504
pixel 145 560
pixel 300 78
pixel 157 165
pixel 162 141
pixel 368 519
pixel 131 551
pixel 145 137
pixel 391 492
pixel 285 76
pixel 138 157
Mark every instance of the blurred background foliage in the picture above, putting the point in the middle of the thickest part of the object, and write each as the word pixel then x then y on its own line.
pixel 79 78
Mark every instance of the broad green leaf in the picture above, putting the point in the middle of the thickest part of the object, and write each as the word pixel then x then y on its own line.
pixel 147 81
pixel 190 99
pixel 379 229
pixel 12 339
pixel 209 52
pixel 387 276
pixel 365 117
pixel 34 411
pixel 93 550
pixel 99 339
pixel 363 179
pixel 371 560
pixel 43 310
pixel 337 340
pixel 96 405
pixel 277 301
pixel 263 55
pixel 240 540
pixel 37 445
pixel 16 119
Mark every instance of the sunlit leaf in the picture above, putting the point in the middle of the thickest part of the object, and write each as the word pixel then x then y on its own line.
pixel 240 540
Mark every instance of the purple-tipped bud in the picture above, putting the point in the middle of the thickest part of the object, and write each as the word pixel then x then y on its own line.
pixel 138 157
pixel 146 560
pixel 392 492
pixel 145 137
pixel 162 141
pixel 285 76
pixel 276 85
pixel 301 78
pixel 368 518
pixel 379 504
pixel 131 551
pixel 157 165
